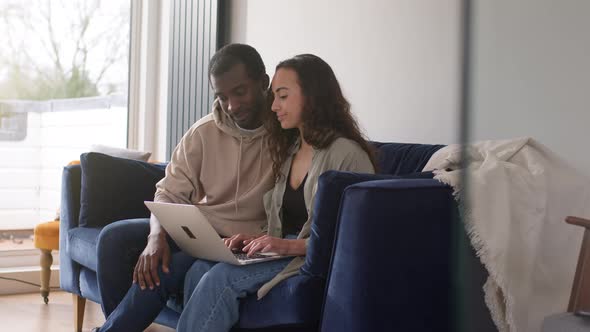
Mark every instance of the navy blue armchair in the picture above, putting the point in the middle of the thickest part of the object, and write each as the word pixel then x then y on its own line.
pixel 382 256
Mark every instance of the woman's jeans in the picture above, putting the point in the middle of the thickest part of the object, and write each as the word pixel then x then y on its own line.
pixel 212 292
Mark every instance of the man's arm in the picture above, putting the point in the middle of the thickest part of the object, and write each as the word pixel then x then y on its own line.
pixel 155 228
pixel 180 185
pixel 157 250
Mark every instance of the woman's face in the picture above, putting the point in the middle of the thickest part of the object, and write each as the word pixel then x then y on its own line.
pixel 288 98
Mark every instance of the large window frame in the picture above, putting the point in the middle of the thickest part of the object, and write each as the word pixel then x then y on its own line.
pixel 147 106
pixel 148 76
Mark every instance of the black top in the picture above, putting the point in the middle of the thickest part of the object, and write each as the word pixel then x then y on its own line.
pixel 294 212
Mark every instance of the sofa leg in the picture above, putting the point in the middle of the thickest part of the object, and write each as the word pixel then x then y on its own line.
pixel 46 261
pixel 79 305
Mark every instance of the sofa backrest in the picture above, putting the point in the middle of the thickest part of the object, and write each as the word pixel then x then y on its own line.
pixel 399 158
pixel 403 158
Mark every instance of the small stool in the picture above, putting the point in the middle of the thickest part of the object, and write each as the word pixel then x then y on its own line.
pixel 46 239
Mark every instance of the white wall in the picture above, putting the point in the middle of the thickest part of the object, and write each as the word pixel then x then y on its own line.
pixel 396 60
pixel 533 74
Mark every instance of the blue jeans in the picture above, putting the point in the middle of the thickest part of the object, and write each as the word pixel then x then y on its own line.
pixel 139 308
pixel 216 289
pixel 119 244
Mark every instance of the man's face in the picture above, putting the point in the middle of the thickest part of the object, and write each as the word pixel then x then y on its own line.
pixel 241 97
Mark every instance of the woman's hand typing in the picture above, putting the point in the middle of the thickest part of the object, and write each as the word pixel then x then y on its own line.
pixel 238 241
pixel 277 245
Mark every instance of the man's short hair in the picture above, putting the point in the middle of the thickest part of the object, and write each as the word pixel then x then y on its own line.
pixel 233 54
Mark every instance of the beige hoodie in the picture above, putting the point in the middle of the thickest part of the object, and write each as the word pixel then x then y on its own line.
pixel 222 169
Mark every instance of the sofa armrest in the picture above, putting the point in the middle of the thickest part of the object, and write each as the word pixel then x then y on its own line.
pixel 71 182
pixel 331 185
pixel 580 298
pixel 69 214
pixel 390 268
pixel 578 221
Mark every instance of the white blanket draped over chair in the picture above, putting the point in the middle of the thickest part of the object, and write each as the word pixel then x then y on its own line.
pixel 518 194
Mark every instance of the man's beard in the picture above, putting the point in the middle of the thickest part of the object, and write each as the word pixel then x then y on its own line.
pixel 256 111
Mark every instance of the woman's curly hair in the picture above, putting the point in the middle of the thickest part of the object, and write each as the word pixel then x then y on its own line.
pixel 326 113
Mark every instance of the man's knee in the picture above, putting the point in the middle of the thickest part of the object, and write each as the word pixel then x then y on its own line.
pixel 124 234
pixel 124 239
pixel 179 265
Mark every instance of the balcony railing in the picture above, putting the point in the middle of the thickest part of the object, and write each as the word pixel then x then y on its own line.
pixel 37 139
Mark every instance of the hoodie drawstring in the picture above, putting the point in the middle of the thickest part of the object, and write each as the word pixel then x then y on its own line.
pixel 260 158
pixel 238 171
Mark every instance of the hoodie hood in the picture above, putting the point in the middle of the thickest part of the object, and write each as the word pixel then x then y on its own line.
pixel 222 169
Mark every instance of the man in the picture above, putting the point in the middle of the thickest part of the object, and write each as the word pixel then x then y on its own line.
pixel 221 164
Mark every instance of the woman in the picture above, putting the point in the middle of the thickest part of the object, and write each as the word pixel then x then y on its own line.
pixel 311 130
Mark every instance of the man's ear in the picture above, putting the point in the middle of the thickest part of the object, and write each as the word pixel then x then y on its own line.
pixel 264 81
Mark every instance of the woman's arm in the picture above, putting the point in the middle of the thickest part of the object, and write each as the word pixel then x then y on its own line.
pixel 277 245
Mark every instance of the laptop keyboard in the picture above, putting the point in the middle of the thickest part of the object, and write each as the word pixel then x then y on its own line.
pixel 242 256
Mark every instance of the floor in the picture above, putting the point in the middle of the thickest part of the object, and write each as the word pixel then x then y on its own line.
pixel 28 313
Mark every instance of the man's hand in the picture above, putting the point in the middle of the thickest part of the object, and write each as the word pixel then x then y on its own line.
pixel 237 241
pixel 277 245
pixel 146 269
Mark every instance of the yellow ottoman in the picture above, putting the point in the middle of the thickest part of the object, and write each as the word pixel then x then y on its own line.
pixel 46 239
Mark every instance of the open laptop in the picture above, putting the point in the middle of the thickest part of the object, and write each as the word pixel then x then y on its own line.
pixel 191 231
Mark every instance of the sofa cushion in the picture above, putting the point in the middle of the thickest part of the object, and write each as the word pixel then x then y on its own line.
pixel 82 246
pixel 331 185
pixel 115 188
pixel 121 153
pixel 402 158
pixel 295 301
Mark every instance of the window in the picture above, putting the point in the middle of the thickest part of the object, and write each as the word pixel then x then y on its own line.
pixel 63 87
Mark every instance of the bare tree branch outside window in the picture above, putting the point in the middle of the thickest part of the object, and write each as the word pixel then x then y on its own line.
pixel 63 48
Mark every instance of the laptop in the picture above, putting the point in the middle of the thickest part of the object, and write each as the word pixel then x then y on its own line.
pixel 191 231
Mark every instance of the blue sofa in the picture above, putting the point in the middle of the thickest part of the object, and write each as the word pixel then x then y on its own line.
pixel 387 253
